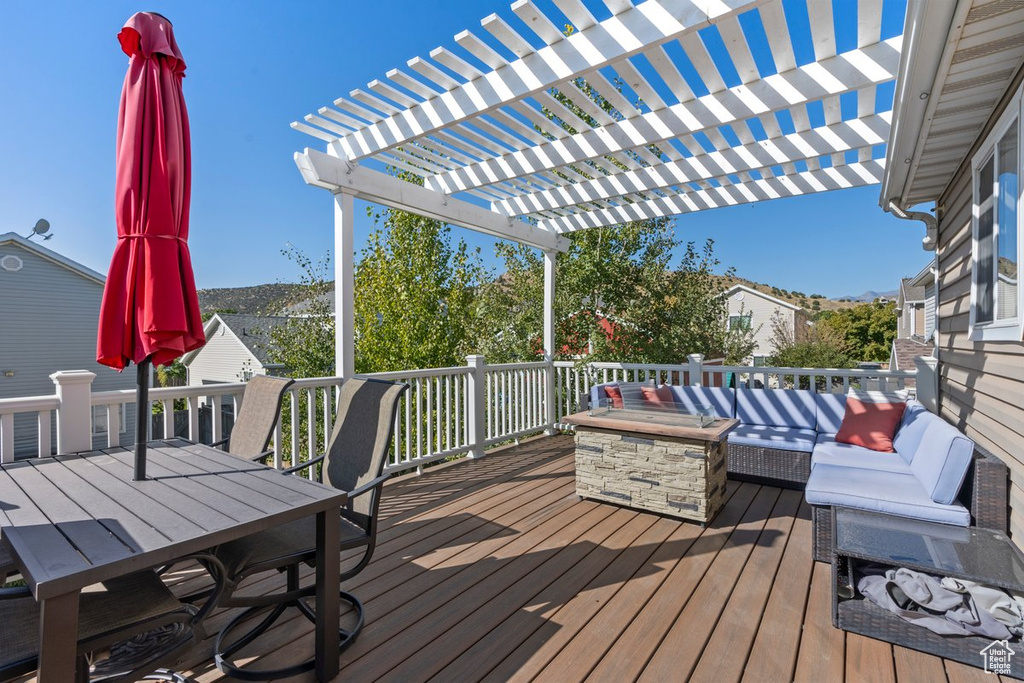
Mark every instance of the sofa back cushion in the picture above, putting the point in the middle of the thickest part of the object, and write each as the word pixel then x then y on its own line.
pixel 942 458
pixel 912 428
pixel 630 393
pixel 658 397
pixel 776 407
pixel 721 399
pixel 829 411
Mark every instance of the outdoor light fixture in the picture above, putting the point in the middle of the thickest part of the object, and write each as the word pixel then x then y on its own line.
pixel 8 373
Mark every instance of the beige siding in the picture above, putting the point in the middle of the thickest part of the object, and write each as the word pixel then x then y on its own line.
pixel 981 384
pixel 223 359
pixel 761 311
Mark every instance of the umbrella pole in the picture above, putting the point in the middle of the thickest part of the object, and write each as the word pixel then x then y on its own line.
pixel 142 411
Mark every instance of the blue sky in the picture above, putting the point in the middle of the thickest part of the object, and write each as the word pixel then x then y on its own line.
pixel 253 67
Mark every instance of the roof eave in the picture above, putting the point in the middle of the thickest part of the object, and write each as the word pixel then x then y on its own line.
pixel 920 62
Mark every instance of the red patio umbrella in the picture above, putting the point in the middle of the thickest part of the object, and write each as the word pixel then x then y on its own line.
pixel 150 311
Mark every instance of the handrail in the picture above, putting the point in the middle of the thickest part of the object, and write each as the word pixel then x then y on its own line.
pixel 447 412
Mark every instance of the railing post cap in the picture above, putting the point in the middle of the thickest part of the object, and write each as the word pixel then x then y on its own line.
pixel 695 357
pixel 475 359
pixel 66 377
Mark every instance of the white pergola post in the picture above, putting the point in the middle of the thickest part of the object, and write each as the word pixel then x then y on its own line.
pixel 344 285
pixel 550 414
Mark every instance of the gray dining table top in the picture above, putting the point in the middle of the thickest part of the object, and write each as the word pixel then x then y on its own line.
pixel 75 520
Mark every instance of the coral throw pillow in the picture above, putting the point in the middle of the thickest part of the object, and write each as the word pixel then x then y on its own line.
pixel 615 395
pixel 871 425
pixel 659 396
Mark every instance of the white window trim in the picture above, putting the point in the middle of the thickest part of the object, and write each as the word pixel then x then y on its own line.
pixel 122 415
pixel 1010 329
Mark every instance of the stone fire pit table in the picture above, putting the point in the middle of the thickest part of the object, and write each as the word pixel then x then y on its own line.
pixel 652 460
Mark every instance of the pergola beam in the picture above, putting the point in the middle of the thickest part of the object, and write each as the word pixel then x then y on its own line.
pixel 338 175
pixel 843 73
pixel 816 142
pixel 778 187
pixel 651 23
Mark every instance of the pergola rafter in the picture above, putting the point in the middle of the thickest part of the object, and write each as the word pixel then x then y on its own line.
pixel 647 109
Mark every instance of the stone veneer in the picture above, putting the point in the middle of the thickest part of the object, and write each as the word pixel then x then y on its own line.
pixel 672 476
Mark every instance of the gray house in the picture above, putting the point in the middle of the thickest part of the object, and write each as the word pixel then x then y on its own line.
pixel 236 349
pixel 50 308
pixel 957 151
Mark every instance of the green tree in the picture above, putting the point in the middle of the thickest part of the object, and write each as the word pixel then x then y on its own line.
pixel 305 343
pixel 867 329
pixel 822 347
pixel 619 296
pixel 414 296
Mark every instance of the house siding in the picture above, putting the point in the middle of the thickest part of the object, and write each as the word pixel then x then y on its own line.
pixel 223 359
pixel 761 311
pixel 980 383
pixel 49 317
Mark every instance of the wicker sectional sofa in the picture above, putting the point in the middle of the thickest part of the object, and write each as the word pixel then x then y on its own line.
pixel 786 438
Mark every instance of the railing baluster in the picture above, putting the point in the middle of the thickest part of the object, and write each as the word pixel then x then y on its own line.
pixel 311 429
pixel 7 437
pixel 43 425
pixel 113 425
pixel 430 415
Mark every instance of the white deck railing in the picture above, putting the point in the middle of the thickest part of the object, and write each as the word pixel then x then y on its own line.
pixel 446 412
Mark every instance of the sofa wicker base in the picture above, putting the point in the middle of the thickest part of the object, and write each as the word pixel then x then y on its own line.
pixel 789 469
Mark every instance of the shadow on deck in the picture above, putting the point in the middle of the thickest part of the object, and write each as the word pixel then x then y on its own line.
pixel 494 570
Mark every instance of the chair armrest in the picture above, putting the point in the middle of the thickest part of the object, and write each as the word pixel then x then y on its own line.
pixel 262 456
pixel 355 493
pixel 221 442
pixel 15 592
pixel 303 465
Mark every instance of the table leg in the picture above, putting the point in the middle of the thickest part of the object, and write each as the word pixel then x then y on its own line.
pixel 328 585
pixel 58 638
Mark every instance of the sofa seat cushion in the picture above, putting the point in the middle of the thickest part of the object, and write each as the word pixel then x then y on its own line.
pixel 828 451
pixel 888 492
pixel 776 407
pixel 779 438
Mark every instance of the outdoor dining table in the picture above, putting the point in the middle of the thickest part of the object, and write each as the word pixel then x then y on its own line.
pixel 75 520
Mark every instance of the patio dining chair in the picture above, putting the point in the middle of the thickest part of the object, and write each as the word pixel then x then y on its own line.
pixel 257 417
pixel 354 462
pixel 134 620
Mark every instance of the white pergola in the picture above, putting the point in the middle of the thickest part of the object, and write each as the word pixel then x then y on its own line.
pixel 692 127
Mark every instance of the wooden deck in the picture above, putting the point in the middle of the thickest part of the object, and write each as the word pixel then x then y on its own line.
pixel 494 570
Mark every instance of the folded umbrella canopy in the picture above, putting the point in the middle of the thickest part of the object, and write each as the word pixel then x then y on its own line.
pixel 150 311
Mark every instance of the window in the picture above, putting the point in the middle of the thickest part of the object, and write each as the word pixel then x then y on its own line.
pixel 760 361
pixel 995 297
pixel 99 420
pixel 740 322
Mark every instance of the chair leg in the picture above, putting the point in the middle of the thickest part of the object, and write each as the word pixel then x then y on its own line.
pixel 225 647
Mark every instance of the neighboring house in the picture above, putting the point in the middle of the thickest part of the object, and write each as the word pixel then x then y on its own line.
pixel 955 145
pixel 236 349
pixel 915 306
pixel 915 311
pixel 49 308
pixel 757 311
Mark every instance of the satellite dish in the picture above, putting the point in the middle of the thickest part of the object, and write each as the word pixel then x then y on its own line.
pixel 41 228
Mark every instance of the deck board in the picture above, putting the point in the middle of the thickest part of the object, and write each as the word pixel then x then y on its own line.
pixel 493 569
